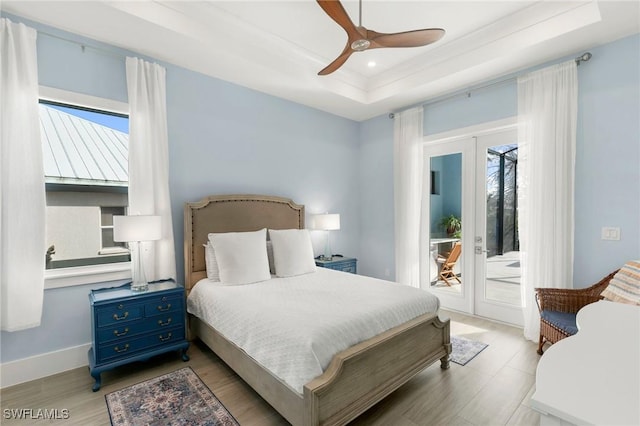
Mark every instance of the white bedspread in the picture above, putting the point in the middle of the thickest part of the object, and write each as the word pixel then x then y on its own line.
pixel 294 326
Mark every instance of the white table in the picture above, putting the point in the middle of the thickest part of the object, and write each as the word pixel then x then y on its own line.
pixel 593 377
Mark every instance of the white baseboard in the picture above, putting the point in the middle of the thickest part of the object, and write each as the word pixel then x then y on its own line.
pixel 43 365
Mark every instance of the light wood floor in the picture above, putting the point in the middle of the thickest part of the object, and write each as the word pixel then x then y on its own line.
pixel 492 389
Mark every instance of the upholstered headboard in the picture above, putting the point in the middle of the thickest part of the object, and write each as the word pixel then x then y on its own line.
pixel 231 213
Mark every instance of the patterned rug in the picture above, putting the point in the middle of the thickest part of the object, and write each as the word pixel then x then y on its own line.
pixel 464 350
pixel 178 398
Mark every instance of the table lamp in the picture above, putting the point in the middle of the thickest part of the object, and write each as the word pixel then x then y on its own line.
pixel 326 222
pixel 137 229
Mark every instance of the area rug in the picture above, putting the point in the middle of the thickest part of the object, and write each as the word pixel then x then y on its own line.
pixel 178 398
pixel 464 350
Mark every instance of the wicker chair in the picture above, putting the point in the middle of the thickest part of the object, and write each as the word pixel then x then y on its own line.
pixel 558 308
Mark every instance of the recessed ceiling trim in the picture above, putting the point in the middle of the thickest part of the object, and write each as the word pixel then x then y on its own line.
pixel 533 25
pixel 498 39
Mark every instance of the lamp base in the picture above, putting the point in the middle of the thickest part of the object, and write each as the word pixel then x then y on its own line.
pixel 139 282
pixel 327 249
pixel 139 287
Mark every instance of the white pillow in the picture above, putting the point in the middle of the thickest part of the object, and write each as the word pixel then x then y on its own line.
pixel 241 256
pixel 292 252
pixel 213 273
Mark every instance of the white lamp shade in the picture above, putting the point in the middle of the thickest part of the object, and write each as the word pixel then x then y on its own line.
pixel 326 222
pixel 137 228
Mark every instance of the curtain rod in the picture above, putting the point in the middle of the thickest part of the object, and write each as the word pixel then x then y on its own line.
pixel 467 92
pixel 582 58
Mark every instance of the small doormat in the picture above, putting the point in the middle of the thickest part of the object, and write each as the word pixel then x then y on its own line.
pixel 464 350
pixel 178 398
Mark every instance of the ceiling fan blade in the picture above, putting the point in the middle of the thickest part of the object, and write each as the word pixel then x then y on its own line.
pixel 336 11
pixel 360 39
pixel 415 38
pixel 337 63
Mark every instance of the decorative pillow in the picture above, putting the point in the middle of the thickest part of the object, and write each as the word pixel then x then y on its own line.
pixel 213 273
pixel 241 256
pixel 624 287
pixel 292 252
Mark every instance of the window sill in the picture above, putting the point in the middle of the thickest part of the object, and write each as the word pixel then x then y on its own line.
pixel 82 275
pixel 113 250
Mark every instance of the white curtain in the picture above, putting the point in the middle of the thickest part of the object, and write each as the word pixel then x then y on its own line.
pixel 149 163
pixel 22 204
pixel 407 180
pixel 547 117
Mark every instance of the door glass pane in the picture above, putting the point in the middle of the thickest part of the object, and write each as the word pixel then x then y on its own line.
pixel 446 223
pixel 502 245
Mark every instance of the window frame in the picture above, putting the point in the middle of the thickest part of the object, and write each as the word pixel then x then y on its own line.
pixel 91 274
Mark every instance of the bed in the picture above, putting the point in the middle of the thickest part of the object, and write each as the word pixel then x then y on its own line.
pixel 357 377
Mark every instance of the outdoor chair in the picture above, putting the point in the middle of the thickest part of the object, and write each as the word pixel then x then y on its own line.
pixel 446 271
pixel 558 308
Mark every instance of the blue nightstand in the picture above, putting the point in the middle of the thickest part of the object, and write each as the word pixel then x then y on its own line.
pixel 345 264
pixel 131 326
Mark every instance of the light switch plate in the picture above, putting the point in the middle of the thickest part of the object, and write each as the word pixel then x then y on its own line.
pixel 610 233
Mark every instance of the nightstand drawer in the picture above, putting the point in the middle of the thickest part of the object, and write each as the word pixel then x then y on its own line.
pixel 124 331
pixel 125 347
pixel 117 314
pixel 351 267
pixel 163 305
pixel 344 264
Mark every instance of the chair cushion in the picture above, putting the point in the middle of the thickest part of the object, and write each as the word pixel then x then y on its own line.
pixel 624 287
pixel 563 320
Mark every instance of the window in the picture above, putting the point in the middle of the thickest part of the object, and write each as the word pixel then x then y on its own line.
pixel 106 230
pixel 85 154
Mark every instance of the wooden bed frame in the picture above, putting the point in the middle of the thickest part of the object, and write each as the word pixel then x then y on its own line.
pixel 358 377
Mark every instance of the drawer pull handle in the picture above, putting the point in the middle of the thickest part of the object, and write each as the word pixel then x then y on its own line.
pixel 126 330
pixel 162 324
pixel 118 349
pixel 164 339
pixel 117 318
pixel 164 308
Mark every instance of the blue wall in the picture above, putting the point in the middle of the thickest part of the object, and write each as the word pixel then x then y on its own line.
pixel 607 191
pixel 448 200
pixel 452 185
pixel 481 106
pixel 223 138
pixel 608 160
pixel 436 201
pixel 229 139
pixel 376 199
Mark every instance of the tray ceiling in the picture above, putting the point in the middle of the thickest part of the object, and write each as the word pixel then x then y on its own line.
pixel 278 47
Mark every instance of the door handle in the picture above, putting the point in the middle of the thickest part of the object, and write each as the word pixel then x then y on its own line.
pixel 480 251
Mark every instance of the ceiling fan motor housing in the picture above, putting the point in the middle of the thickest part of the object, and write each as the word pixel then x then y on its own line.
pixel 360 45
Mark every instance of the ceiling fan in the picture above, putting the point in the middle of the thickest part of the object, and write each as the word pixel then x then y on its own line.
pixel 360 38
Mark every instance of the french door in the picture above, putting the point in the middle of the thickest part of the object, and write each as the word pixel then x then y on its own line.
pixel 496 244
pixel 473 178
